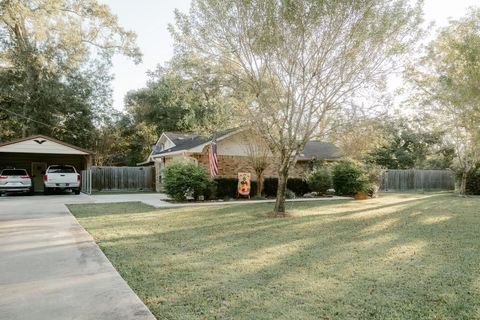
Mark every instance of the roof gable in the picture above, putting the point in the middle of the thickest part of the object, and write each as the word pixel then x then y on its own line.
pixel 41 144
pixel 178 137
pixel 186 142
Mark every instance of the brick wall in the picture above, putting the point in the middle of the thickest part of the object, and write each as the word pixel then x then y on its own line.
pixel 229 166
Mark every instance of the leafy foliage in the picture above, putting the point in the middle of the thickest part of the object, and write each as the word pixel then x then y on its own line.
pixel 278 57
pixel 446 81
pixel 319 179
pixel 406 146
pixel 349 178
pixel 297 185
pixel 182 179
pixel 186 95
pixel 227 187
pixel 473 181
pixel 55 57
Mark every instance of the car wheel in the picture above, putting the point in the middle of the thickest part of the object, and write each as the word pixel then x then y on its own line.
pixel 46 191
pixel 77 191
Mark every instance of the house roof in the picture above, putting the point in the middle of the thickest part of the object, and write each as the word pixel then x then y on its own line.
pixel 320 150
pixel 22 145
pixel 178 137
pixel 186 141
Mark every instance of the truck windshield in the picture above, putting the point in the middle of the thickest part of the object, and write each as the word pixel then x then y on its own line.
pixel 13 172
pixel 61 169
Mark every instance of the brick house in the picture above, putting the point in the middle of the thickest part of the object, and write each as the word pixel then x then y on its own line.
pixel 232 153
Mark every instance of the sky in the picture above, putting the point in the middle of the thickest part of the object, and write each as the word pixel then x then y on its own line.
pixel 150 19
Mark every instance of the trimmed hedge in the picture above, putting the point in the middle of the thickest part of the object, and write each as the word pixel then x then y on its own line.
pixel 227 187
pixel 297 185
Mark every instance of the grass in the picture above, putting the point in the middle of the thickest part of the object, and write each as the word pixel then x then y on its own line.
pixel 402 256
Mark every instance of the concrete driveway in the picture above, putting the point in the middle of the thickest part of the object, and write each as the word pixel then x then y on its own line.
pixel 50 267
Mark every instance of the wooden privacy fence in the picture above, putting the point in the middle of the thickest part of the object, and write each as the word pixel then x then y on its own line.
pixel 118 179
pixel 86 181
pixel 409 180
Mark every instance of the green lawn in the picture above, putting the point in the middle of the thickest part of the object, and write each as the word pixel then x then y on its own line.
pixel 402 256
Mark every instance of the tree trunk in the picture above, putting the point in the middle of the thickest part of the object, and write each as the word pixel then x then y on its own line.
pixel 463 183
pixel 282 186
pixel 259 183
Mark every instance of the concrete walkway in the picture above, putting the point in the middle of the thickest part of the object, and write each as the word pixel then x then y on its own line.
pixel 50 267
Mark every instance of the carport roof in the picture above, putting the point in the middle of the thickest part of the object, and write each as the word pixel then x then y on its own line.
pixel 41 144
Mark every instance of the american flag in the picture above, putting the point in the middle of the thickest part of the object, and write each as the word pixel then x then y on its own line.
pixel 212 159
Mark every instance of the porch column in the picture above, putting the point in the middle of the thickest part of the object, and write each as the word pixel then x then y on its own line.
pixel 158 163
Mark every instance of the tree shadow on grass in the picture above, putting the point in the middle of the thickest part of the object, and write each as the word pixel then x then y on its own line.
pixel 412 259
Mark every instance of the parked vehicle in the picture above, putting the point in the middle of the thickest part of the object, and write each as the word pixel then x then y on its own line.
pixel 61 178
pixel 15 180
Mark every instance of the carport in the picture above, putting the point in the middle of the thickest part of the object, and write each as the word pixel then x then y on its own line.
pixel 36 153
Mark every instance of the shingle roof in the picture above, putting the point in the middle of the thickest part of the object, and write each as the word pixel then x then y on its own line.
pixel 320 150
pixel 185 141
pixel 177 137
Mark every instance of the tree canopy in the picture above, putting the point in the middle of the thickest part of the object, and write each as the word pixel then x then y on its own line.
pixel 446 82
pixel 54 66
pixel 297 63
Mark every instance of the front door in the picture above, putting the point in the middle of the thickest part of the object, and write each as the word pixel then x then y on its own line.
pixel 38 170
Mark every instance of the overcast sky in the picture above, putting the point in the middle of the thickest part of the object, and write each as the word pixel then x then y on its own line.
pixel 150 18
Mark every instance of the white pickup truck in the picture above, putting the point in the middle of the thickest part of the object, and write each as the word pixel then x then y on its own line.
pixel 61 177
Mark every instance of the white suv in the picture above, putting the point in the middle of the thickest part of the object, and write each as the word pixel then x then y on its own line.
pixel 15 180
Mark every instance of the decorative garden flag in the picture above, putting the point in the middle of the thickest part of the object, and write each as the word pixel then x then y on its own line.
pixel 244 183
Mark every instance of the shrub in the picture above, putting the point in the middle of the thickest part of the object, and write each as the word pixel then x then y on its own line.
pixel 183 178
pixel 270 185
pixel 227 187
pixel 253 188
pixel 473 181
pixel 319 179
pixel 297 185
pixel 211 191
pixel 289 194
pixel 349 178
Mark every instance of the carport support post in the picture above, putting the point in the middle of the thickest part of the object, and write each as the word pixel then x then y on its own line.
pixel 158 173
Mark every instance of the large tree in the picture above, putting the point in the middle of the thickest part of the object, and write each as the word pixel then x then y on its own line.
pixel 185 95
pixel 411 143
pixel 296 63
pixel 447 81
pixel 54 66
